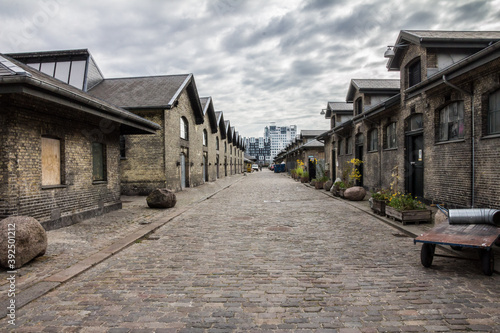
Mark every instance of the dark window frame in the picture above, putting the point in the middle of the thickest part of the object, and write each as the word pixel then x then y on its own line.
pixel 451 128
pixel 494 112
pixel 373 140
pixel 99 162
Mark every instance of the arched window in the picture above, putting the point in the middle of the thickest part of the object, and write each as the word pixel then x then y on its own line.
pixel 414 73
pixel 184 128
pixel 205 137
pixel 494 113
pixel 451 122
pixel 359 106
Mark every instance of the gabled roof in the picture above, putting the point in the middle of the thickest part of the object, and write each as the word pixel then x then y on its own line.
pixel 221 124
pixel 440 39
pixel 229 133
pixel 208 108
pixel 373 86
pixel 338 108
pixel 149 92
pixel 233 133
pixel 22 79
pixel 310 133
pixel 313 144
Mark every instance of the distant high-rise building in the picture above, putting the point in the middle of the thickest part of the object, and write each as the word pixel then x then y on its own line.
pixel 279 136
pixel 275 139
pixel 260 148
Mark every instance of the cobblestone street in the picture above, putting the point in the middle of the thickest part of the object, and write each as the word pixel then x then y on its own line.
pixel 269 254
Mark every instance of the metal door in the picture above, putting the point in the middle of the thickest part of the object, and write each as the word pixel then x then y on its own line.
pixel 415 165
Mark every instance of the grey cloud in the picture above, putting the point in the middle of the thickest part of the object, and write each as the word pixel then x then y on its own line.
pixel 421 20
pixel 472 12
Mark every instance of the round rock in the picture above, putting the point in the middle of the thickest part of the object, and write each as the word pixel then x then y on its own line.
pixel 161 198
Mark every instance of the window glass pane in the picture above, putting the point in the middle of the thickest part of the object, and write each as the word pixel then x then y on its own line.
pixel 48 68
pixel 77 74
pixel 62 71
pixel 35 65
pixel 416 122
pixel 51 161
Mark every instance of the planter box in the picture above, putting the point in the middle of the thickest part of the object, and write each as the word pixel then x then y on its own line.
pixel 405 216
pixel 378 206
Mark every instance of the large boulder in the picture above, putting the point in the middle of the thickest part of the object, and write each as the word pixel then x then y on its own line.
pixel 328 185
pixel 161 198
pixel 355 193
pixel 22 237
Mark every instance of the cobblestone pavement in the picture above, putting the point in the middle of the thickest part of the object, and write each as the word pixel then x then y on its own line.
pixel 270 255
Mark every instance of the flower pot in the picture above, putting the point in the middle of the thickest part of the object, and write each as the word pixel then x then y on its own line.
pixel 405 216
pixel 378 207
pixel 304 180
pixel 341 192
pixel 319 185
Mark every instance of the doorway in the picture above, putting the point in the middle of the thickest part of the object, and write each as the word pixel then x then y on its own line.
pixel 358 153
pixel 183 171
pixel 414 173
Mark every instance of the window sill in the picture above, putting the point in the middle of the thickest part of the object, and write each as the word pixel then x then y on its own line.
pixel 450 141
pixel 50 187
pixel 389 149
pixel 99 182
pixel 491 136
pixel 122 158
pixel 373 151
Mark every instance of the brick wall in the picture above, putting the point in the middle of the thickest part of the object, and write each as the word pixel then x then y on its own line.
pixel 143 168
pixel 26 121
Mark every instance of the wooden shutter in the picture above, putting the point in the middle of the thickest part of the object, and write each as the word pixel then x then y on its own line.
pixel 51 161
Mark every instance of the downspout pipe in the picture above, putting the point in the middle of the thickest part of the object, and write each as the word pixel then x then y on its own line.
pixel 471 94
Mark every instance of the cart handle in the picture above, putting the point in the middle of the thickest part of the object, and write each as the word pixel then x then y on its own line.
pixel 444 210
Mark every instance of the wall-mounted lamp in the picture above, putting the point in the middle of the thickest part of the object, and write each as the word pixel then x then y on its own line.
pixel 191 164
pixel 323 112
pixel 178 163
pixel 389 53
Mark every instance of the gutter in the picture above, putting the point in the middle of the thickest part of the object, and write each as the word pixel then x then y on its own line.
pixel 473 152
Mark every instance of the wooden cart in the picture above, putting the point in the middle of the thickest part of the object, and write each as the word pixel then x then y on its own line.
pixel 458 236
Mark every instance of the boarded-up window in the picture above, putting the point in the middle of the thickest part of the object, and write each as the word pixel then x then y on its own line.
pixel 98 161
pixel 51 161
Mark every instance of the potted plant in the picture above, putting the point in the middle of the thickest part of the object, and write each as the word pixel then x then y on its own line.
pixel 320 182
pixel 342 188
pixel 378 201
pixel 406 208
pixel 304 177
pixel 299 173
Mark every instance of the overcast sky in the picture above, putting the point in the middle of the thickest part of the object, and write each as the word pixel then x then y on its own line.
pixel 261 61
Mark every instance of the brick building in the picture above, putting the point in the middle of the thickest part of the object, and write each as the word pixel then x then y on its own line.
pixel 307 149
pixel 438 137
pixel 59 146
pixel 175 157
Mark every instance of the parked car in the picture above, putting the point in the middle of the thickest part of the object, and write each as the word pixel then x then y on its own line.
pixel 255 167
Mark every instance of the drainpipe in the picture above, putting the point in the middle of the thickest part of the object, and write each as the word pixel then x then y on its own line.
pixel 473 181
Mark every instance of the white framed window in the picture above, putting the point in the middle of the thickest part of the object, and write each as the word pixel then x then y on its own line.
pixel 184 125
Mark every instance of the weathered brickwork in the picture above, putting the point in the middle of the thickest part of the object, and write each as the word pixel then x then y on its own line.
pixel 143 166
pixel 24 122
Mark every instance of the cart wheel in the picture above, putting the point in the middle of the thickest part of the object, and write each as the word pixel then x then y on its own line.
pixel 487 261
pixel 427 254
